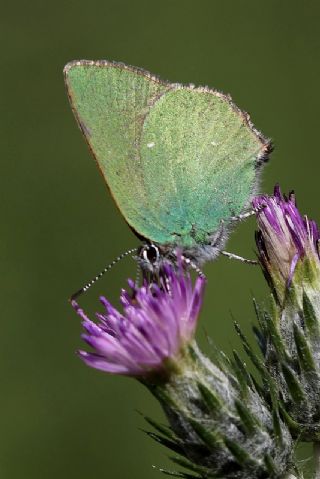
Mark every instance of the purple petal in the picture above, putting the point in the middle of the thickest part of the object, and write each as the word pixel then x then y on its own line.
pixel 99 362
pixel 153 327
pixel 284 236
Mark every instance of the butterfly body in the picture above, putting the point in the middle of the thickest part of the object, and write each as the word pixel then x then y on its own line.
pixel 179 161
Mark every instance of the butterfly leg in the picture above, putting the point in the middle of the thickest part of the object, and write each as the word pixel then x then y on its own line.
pixel 138 276
pixel 247 214
pixel 193 266
pixel 243 216
pixel 239 258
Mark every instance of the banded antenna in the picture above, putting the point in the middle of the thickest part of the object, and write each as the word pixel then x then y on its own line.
pixel 107 268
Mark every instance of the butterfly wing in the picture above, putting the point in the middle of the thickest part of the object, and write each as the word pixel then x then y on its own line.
pixel 200 155
pixel 110 102
pixel 177 160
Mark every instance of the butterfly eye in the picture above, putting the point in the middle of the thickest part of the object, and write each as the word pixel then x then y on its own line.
pixel 151 253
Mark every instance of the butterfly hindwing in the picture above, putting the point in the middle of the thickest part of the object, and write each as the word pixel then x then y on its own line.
pixel 199 155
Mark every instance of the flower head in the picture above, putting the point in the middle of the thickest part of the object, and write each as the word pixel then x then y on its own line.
pixel 156 323
pixel 288 252
pixel 284 239
pixel 220 422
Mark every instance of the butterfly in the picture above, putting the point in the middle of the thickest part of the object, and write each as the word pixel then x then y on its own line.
pixel 181 162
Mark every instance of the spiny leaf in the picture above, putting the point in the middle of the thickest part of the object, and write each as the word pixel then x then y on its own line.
pixel 221 360
pixel 193 353
pixel 243 376
pixel 291 423
pixel 261 334
pixel 304 352
pixel 183 462
pixel 254 358
pixel 277 428
pixel 174 446
pixel 261 339
pixel 219 356
pixel 248 420
pixel 160 428
pixel 162 396
pixel 211 439
pixel 274 309
pixel 177 473
pixel 276 339
pixel 240 455
pixel 310 318
pixel 273 390
pixel 258 387
pixel 293 384
pixel 270 465
pixel 259 313
pixel 224 363
pixel 213 403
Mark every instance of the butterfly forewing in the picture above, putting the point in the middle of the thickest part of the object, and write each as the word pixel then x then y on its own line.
pixel 110 102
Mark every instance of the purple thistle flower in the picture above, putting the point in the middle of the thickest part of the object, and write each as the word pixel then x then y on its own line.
pixel 284 238
pixel 156 323
pixel 288 245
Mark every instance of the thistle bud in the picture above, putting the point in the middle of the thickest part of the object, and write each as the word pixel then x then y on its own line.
pixel 287 247
pixel 290 340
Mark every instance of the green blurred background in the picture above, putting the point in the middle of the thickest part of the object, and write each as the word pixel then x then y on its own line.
pixel 58 418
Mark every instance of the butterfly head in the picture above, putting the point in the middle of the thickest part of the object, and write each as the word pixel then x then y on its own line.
pixel 150 258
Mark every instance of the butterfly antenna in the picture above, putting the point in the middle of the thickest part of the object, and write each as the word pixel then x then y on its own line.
pixel 193 266
pixel 107 268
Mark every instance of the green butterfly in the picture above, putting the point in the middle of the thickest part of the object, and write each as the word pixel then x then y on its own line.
pixel 181 162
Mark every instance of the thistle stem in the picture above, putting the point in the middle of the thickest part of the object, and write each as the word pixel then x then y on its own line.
pixel 316 455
